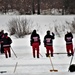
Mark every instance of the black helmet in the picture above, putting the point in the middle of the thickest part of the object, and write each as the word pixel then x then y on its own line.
pixel 2 31
pixel 6 34
pixel 48 32
pixel 34 31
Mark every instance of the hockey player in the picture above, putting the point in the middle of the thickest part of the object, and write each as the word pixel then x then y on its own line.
pixel 1 35
pixel 35 42
pixel 48 43
pixel 6 41
pixel 69 44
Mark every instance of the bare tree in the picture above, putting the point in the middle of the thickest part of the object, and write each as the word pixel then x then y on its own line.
pixel 20 27
pixel 38 7
pixel 33 8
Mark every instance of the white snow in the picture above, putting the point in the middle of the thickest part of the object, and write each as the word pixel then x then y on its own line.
pixel 26 64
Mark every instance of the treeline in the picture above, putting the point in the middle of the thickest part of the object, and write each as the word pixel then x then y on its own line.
pixel 22 6
pixel 37 6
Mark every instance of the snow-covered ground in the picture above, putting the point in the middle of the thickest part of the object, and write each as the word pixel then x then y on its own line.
pixel 26 64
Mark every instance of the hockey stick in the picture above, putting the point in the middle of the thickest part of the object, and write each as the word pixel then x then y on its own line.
pixel 59 53
pixel 14 52
pixel 15 67
pixel 41 55
pixel 3 71
pixel 71 60
pixel 52 65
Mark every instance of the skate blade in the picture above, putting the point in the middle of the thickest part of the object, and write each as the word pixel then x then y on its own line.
pixel 53 70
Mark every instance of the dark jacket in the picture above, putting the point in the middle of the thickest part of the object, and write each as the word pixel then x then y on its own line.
pixel 35 38
pixel 68 38
pixel 6 41
pixel 1 35
pixel 48 39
